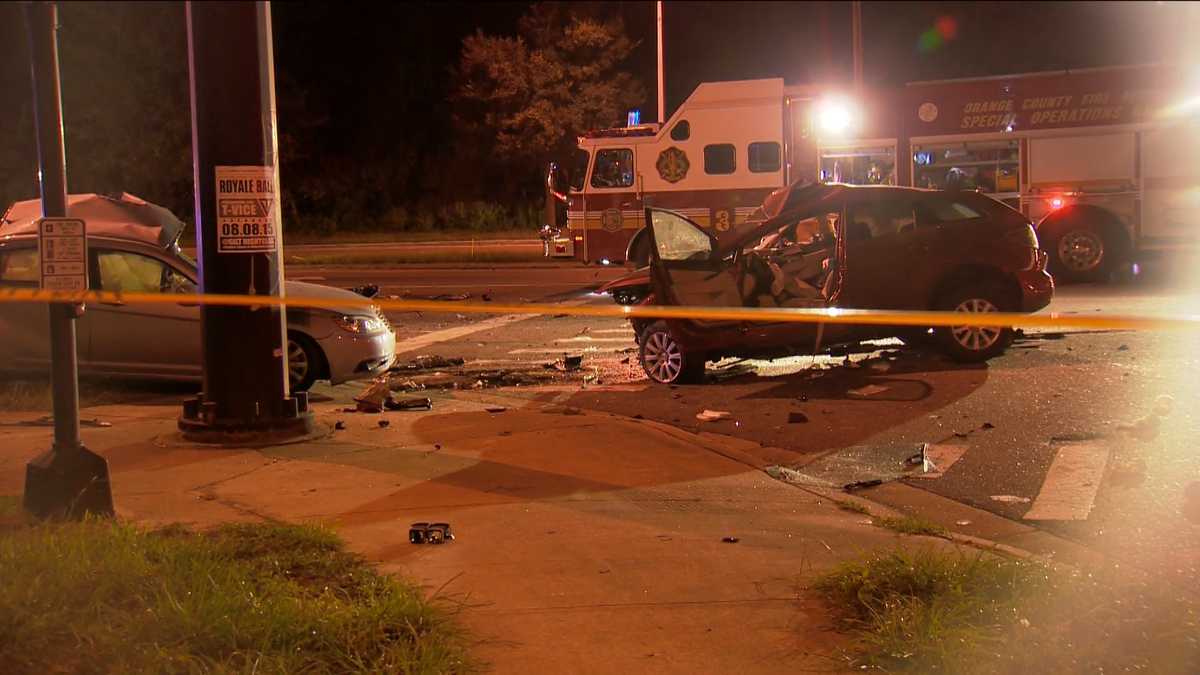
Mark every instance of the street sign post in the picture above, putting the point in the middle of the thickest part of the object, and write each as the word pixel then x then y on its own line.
pixel 62 250
pixel 68 479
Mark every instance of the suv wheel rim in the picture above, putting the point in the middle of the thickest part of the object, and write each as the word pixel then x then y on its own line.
pixel 976 338
pixel 662 357
pixel 1081 250
pixel 297 362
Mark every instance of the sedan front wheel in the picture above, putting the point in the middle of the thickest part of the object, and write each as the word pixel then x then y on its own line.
pixel 304 361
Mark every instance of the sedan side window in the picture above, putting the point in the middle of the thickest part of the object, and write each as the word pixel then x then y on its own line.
pixel 125 272
pixel 679 239
pixel 19 266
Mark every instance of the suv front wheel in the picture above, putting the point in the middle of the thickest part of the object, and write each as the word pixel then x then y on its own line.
pixel 972 344
pixel 665 360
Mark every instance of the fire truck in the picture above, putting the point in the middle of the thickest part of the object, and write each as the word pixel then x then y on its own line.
pixel 1106 161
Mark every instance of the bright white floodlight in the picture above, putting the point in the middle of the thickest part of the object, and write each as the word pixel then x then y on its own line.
pixel 835 116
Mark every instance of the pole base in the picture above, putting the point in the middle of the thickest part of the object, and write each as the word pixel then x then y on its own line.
pixel 200 423
pixel 68 484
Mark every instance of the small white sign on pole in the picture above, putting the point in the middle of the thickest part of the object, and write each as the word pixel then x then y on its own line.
pixel 62 250
pixel 247 220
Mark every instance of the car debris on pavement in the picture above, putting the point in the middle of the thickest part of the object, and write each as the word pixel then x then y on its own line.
pixel 430 533
pixel 365 290
pixel 566 363
pixel 419 403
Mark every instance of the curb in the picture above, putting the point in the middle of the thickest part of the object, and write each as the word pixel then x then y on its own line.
pixel 725 447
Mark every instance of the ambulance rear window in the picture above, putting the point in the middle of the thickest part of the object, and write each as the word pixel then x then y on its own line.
pixel 720 159
pixel 764 157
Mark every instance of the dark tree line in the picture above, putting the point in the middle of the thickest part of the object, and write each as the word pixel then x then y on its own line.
pixel 394 115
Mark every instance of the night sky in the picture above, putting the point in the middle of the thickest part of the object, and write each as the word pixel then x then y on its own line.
pixel 373 79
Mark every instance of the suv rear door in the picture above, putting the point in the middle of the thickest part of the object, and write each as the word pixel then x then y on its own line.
pixel 887 250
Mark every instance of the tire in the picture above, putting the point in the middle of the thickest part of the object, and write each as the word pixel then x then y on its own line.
pixel 629 296
pixel 973 345
pixel 305 361
pixel 664 359
pixel 1079 252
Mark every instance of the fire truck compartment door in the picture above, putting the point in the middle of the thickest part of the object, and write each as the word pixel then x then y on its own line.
pixel 1170 169
pixel 1075 160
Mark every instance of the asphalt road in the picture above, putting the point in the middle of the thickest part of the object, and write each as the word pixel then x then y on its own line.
pixel 1059 433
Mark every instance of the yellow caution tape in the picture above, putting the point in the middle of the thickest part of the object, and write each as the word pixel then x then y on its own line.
pixel 758 314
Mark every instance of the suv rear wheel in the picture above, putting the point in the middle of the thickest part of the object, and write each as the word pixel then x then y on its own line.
pixel 973 343
pixel 665 360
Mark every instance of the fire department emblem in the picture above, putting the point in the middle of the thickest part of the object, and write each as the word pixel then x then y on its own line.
pixel 672 164
pixel 610 220
pixel 928 112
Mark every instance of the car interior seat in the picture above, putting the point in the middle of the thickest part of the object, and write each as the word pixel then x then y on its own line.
pixel 858 231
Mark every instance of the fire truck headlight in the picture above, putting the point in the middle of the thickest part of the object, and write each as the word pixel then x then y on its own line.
pixel 834 116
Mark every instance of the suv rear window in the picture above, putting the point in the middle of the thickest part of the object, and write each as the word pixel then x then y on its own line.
pixel 948 211
pixel 19 266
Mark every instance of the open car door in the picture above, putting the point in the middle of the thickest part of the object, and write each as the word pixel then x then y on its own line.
pixel 683 268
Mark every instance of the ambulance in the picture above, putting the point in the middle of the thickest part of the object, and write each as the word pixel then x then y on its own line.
pixel 1105 161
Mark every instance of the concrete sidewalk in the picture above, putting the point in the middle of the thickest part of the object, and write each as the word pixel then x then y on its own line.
pixel 585 542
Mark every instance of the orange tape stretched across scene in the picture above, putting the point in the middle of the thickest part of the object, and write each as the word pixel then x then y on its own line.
pixel 796 315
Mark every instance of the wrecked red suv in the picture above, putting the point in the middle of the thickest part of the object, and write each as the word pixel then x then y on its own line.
pixel 822 246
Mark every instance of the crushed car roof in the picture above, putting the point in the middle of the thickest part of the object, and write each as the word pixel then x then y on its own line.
pixel 794 200
pixel 122 216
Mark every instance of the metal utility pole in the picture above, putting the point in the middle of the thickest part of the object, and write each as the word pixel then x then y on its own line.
pixel 238 239
pixel 856 43
pixel 662 103
pixel 68 480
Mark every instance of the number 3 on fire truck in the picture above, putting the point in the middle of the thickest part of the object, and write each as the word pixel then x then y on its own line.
pixel 722 219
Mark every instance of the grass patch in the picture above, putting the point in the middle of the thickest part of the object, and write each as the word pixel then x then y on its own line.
pixel 901 524
pixel 911 525
pixel 924 609
pixel 854 507
pixel 36 394
pixel 12 513
pixel 99 596
pixel 976 613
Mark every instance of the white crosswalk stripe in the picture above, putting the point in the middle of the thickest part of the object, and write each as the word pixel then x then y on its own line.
pixel 1071 484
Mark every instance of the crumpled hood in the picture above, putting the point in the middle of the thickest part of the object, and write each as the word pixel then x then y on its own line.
pixel 296 291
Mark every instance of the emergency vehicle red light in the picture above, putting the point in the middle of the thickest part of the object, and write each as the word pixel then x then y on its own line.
pixel 1056 203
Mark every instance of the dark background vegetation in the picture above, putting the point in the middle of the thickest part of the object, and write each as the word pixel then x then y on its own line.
pixel 425 116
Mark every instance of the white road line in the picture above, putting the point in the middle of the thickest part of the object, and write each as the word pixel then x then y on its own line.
pixel 434 337
pixel 585 338
pixel 591 387
pixel 615 331
pixel 1071 484
pixel 586 350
